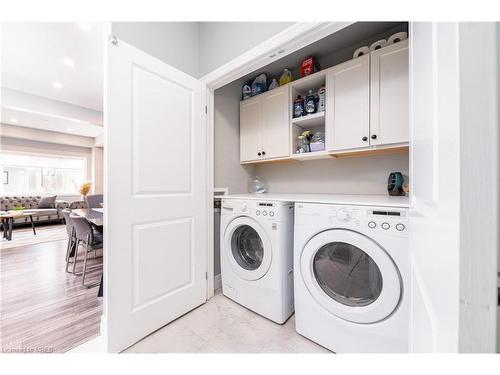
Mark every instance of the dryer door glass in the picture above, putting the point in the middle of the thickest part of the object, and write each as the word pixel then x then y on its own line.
pixel 247 248
pixel 347 274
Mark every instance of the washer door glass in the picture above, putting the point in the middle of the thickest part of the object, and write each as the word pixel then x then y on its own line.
pixel 247 248
pixel 347 274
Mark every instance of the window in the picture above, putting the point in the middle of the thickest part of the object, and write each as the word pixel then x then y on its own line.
pixel 41 174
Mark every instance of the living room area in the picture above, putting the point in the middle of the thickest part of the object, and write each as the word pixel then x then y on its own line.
pixel 51 196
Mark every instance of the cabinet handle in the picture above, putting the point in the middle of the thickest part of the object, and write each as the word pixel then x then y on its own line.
pixel 259 154
pixel 263 152
pixel 374 136
pixel 364 139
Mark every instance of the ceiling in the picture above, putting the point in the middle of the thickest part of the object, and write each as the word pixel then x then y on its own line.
pixel 50 122
pixel 33 56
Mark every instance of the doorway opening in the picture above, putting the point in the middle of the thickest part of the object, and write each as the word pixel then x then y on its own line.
pixel 52 148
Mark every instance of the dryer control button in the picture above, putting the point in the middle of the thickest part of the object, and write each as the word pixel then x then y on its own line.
pixel 385 226
pixel 271 213
pixel 343 215
pixel 264 213
pixel 372 224
pixel 257 212
pixel 400 227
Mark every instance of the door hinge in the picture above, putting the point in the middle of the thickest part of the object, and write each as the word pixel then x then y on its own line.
pixel 113 39
pixel 206 109
pixel 206 275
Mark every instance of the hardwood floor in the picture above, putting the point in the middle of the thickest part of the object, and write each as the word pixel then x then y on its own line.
pixel 42 307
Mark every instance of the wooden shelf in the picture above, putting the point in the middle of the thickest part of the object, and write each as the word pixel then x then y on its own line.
pixel 400 149
pixel 286 159
pixel 318 155
pixel 311 82
pixel 311 156
pixel 309 121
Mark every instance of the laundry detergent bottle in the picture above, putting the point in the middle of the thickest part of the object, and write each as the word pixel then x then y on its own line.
pixel 310 103
pixel 286 77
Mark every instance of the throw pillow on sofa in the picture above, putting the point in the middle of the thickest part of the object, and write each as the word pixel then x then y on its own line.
pixel 47 202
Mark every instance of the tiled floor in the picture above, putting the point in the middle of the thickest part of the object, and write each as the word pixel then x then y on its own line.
pixel 223 326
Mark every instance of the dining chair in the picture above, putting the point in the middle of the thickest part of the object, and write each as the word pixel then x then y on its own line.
pixel 94 201
pixel 70 230
pixel 87 238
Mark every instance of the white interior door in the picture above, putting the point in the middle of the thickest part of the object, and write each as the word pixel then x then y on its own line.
pixel 156 227
pixel 348 105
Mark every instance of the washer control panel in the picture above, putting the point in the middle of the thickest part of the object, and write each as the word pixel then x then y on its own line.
pixel 261 210
pixel 265 209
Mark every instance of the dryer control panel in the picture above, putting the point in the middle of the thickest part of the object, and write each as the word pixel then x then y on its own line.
pixel 391 221
pixel 387 219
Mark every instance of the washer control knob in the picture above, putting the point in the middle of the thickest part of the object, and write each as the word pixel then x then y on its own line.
pixel 400 227
pixel 264 213
pixel 343 215
pixel 372 224
pixel 271 213
pixel 257 212
pixel 385 226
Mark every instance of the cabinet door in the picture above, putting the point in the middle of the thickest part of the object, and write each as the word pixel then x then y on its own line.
pixel 389 122
pixel 348 105
pixel 276 123
pixel 250 129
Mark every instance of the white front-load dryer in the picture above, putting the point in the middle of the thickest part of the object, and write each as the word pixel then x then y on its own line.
pixel 352 278
pixel 257 255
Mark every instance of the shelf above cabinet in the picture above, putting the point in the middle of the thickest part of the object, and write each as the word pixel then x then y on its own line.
pixel 309 121
pixel 318 155
pixel 311 82
pixel 311 156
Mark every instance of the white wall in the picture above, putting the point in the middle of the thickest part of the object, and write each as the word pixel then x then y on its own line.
pixel 479 141
pixel 228 173
pixel 434 226
pixel 360 175
pixel 454 213
pixel 221 42
pixel 98 170
pixel 176 43
pixel 196 48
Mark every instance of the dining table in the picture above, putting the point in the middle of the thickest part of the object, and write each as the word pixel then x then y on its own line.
pixel 95 216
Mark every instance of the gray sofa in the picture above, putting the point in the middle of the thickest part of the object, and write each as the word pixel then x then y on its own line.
pixel 31 205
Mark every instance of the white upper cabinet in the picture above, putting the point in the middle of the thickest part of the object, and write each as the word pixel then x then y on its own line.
pixel 367 110
pixel 348 105
pixel 389 118
pixel 265 126
pixel 275 123
pixel 250 129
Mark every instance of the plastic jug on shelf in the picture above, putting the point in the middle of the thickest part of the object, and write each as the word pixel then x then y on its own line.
pixel 286 77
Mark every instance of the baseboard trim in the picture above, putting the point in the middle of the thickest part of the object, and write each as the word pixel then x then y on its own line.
pixel 217 282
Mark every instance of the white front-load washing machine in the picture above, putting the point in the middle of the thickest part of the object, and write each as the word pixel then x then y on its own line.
pixel 352 279
pixel 257 255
